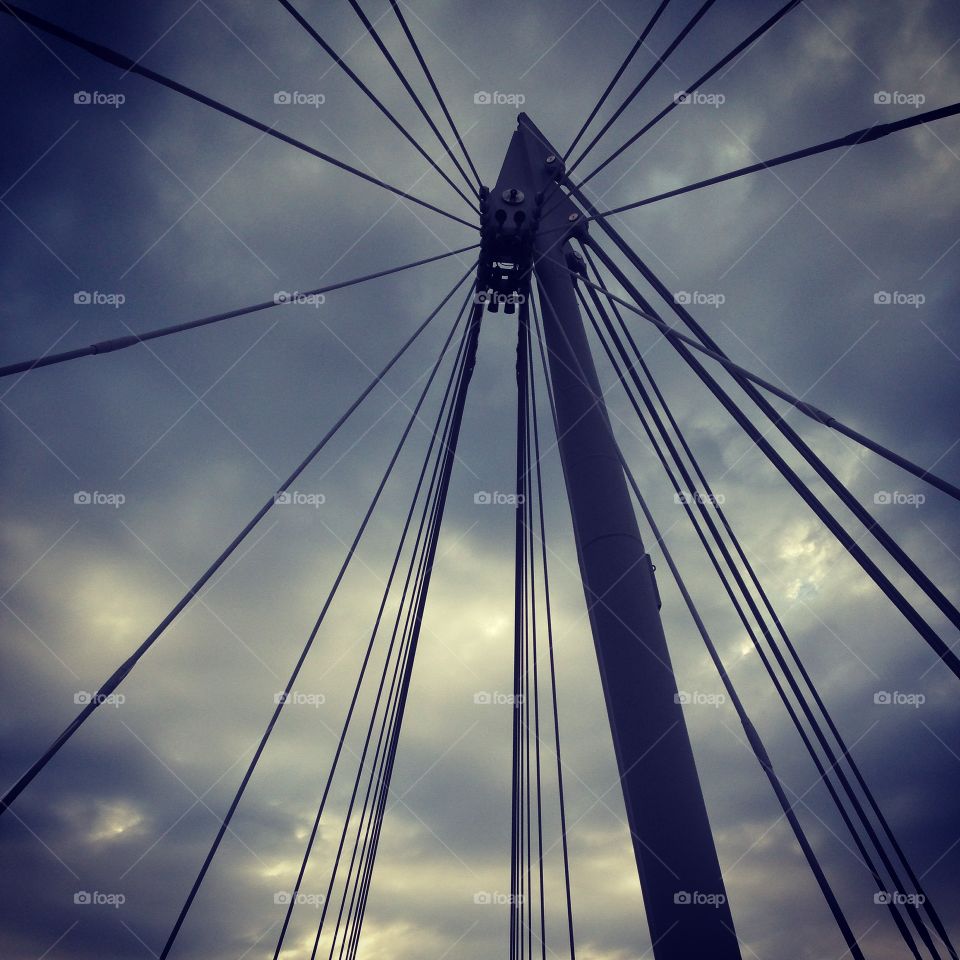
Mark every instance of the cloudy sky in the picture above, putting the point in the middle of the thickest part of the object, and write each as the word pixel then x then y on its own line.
pixel 180 212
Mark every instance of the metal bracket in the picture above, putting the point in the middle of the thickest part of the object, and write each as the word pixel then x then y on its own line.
pixel 652 570
pixel 525 203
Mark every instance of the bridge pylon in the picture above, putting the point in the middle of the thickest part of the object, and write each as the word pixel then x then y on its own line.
pixel 527 225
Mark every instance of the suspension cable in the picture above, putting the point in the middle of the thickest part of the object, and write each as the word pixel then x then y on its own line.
pixel 131 66
pixel 838 915
pixel 832 759
pixel 850 544
pixel 813 412
pixel 306 648
pixel 449 454
pixel 616 77
pixel 549 618
pixel 119 343
pixel 534 652
pixel 374 810
pixel 660 61
pixel 528 789
pixel 699 500
pixel 366 658
pixel 378 103
pixel 721 513
pixel 388 56
pixel 518 753
pixel 735 52
pixel 866 135
pixel 869 828
pixel 433 86
pixel 114 680
pixel 872 525
pixel 415 565
pixel 753 738
pixel 414 576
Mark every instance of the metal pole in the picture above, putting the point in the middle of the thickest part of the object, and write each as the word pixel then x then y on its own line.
pixel 684 895
pixel 683 889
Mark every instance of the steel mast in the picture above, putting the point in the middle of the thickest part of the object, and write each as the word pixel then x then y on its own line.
pixel 684 895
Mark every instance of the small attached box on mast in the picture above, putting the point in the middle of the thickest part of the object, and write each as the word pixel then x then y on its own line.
pixel 509 220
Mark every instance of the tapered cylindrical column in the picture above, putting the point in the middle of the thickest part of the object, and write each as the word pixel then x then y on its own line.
pixel 684 896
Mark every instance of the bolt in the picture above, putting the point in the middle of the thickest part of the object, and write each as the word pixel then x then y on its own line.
pixel 552 158
pixel 573 218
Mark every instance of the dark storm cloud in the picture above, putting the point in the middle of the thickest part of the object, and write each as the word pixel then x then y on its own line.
pixel 185 213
